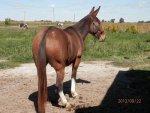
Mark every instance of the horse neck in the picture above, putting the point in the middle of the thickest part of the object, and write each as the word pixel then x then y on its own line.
pixel 82 27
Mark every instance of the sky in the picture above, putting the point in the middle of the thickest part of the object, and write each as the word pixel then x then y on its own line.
pixel 66 10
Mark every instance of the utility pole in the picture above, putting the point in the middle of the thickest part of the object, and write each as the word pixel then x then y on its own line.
pixel 53 8
pixel 74 18
pixel 53 14
pixel 24 16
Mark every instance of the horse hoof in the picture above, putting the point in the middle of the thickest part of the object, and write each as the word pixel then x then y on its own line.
pixel 74 95
pixel 69 107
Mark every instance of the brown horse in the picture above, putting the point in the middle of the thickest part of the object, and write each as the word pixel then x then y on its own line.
pixel 60 48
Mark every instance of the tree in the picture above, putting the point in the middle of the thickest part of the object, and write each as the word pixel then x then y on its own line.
pixel 147 21
pixel 121 20
pixel 7 21
pixel 112 20
pixel 141 21
pixel 103 20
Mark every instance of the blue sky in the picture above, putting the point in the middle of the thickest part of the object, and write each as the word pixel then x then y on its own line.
pixel 130 10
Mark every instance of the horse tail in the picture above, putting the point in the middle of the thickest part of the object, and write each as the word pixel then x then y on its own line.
pixel 42 79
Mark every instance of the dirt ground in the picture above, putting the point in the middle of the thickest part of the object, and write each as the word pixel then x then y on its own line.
pixel 97 86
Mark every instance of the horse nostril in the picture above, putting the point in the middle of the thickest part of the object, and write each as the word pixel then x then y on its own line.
pixel 102 32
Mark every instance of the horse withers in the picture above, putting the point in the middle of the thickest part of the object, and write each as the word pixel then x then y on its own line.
pixel 60 48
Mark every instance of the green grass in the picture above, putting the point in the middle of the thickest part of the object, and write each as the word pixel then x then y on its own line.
pixel 125 49
pixel 15 47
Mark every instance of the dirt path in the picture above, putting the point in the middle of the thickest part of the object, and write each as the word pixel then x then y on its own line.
pixel 18 87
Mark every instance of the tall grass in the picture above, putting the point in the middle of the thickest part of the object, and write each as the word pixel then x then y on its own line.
pixel 15 47
pixel 127 27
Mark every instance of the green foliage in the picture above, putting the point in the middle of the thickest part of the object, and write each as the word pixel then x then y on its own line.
pixel 132 29
pixel 121 20
pixel 7 21
pixel 123 27
pixel 112 20
pixel 113 28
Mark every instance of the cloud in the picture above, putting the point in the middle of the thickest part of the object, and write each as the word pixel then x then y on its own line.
pixel 52 5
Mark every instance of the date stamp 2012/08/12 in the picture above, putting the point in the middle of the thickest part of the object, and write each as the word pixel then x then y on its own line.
pixel 129 101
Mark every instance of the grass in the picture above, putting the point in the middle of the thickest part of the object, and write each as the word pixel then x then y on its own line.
pixel 15 47
pixel 124 49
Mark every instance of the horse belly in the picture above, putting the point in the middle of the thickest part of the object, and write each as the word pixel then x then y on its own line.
pixel 72 53
pixel 70 60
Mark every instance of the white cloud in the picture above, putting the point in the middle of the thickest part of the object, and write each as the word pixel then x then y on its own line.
pixel 52 5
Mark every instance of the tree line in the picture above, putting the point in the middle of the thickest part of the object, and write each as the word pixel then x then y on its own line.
pixel 121 20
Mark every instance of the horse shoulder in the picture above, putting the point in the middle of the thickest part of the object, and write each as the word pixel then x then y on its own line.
pixel 75 44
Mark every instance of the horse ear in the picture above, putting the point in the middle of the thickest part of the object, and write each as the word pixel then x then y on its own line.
pixel 94 14
pixel 92 11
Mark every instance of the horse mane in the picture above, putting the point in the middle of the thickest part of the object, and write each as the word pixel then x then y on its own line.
pixel 82 26
pixel 82 21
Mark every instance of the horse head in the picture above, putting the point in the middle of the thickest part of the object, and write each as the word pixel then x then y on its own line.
pixel 95 25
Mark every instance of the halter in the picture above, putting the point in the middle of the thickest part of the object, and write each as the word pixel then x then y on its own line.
pixel 95 30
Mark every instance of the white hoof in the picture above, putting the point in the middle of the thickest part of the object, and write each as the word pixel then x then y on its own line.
pixel 74 94
pixel 68 105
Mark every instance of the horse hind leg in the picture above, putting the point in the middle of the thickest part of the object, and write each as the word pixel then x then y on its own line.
pixel 59 85
pixel 73 77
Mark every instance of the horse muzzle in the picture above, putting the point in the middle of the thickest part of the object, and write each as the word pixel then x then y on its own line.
pixel 102 37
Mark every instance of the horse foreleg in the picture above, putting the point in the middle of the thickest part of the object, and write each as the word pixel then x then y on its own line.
pixel 73 77
pixel 59 84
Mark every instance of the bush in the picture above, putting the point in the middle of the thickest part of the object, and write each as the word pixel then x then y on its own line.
pixel 132 29
pixel 121 20
pixel 113 28
pixel 7 21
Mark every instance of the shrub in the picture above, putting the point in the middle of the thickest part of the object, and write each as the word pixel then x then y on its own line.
pixel 113 28
pixel 121 20
pixel 132 29
pixel 7 21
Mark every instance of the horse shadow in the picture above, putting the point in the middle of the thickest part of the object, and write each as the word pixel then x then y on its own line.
pixel 53 97
pixel 129 93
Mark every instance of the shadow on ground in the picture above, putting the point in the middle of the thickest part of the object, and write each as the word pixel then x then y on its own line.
pixel 52 96
pixel 129 93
